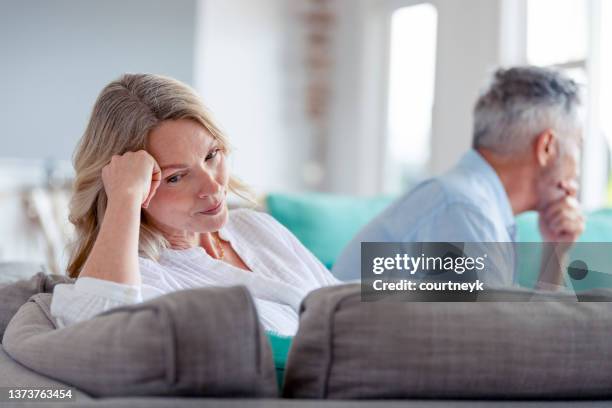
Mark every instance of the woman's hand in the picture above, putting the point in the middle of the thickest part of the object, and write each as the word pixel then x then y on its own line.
pixel 130 181
pixel 132 175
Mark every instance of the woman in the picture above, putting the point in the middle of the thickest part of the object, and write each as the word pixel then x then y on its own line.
pixel 151 216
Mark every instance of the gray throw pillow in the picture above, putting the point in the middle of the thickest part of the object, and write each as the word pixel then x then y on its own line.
pixel 13 295
pixel 549 347
pixel 199 342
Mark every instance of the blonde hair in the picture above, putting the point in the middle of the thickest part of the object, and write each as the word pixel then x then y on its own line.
pixel 126 111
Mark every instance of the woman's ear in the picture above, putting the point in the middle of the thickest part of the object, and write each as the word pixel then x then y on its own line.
pixel 545 147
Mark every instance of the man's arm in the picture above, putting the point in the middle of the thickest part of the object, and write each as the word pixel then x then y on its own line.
pixel 561 224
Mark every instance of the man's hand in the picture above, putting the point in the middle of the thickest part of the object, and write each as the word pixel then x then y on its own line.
pixel 562 219
pixel 561 222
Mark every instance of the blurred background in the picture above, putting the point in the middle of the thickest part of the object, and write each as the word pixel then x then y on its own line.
pixel 351 97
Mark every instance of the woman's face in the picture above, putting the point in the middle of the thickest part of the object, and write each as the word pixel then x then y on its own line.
pixel 192 195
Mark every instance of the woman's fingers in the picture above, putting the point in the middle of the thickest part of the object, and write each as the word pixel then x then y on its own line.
pixel 155 183
pixel 132 174
pixel 152 190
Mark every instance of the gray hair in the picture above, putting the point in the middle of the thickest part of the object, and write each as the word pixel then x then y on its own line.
pixel 522 102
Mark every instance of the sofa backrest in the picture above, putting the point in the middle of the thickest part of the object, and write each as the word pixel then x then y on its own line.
pixel 549 347
pixel 199 342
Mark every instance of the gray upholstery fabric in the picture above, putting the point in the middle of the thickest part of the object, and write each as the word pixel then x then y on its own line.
pixel 285 403
pixel 14 375
pixel 346 348
pixel 13 295
pixel 199 342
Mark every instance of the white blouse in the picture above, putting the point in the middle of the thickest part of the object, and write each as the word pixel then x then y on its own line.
pixel 282 273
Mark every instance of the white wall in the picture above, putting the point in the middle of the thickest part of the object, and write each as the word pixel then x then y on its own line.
pixel 243 74
pixel 468 53
pixel 245 57
pixel 57 55
pixel 354 164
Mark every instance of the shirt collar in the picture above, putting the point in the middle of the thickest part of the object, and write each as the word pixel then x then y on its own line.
pixel 473 161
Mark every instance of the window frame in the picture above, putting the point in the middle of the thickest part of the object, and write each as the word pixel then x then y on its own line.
pixel 594 177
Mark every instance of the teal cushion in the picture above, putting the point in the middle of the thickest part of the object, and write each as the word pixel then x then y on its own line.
pixel 598 228
pixel 527 227
pixel 324 223
pixel 280 348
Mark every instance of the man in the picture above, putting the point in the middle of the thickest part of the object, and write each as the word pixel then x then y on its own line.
pixel 524 156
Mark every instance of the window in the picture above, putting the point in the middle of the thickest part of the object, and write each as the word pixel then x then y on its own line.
pixel 410 95
pixel 605 96
pixel 575 36
pixel 560 38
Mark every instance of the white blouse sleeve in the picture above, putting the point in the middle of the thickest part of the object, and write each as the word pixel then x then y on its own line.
pixel 88 297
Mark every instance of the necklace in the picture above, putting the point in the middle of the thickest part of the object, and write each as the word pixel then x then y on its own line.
pixel 219 246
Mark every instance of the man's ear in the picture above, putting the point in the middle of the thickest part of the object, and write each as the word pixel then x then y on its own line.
pixel 545 147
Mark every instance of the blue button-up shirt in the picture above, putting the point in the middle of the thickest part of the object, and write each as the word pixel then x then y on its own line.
pixel 466 204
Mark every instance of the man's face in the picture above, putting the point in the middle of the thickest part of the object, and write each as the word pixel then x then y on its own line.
pixel 561 177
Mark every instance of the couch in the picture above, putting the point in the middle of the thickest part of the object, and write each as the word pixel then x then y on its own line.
pixel 14 375
pixel 350 364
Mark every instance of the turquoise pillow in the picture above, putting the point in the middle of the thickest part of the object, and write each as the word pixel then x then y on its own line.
pixel 280 349
pixel 598 229
pixel 324 223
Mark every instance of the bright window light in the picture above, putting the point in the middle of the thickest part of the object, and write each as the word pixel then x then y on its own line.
pixel 605 95
pixel 556 31
pixel 576 37
pixel 410 95
pixel 606 69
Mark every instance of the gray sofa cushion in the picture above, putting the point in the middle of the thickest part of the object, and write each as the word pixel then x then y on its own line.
pixel 13 375
pixel 346 348
pixel 199 342
pixel 13 295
